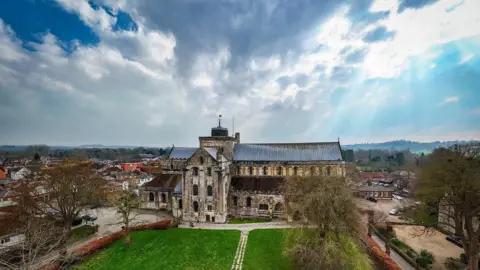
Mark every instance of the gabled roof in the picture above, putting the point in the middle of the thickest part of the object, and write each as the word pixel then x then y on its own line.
pixel 168 181
pixel 182 152
pixel 212 152
pixel 323 151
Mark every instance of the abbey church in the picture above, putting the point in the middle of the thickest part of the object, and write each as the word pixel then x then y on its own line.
pixel 223 177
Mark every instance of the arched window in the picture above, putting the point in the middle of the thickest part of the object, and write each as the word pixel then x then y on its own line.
pixel 263 206
pixel 295 170
pixel 329 170
pixel 195 190
pixel 279 207
pixel 164 198
pixel 250 170
pixel 312 170
pixel 195 206
pixel 235 200
pixel 180 204
pixel 209 191
pixel 209 207
pixel 201 160
pixel 209 171
pixel 279 171
pixel 195 171
pixel 151 197
pixel 265 170
pixel 249 202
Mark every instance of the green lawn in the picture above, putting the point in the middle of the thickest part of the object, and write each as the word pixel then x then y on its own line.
pixel 184 249
pixel 265 251
pixel 248 220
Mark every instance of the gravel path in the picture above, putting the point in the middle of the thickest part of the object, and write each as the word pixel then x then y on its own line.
pixel 240 227
pixel 238 261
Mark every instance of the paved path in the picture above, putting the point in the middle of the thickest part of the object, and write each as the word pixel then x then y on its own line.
pixel 394 255
pixel 238 261
pixel 240 227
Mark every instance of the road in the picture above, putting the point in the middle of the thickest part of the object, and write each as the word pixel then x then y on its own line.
pixel 394 255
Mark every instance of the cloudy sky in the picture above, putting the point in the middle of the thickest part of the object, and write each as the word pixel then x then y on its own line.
pixel 157 73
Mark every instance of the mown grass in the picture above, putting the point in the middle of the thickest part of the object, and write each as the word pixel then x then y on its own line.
pixel 248 220
pixel 265 251
pixel 170 249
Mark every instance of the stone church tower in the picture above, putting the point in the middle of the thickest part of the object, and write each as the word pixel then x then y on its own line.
pixel 207 177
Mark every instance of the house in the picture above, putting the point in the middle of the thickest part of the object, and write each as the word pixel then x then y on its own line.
pixel 377 192
pixel 160 192
pixel 18 173
pixel 3 173
pixel 8 195
pixel 224 178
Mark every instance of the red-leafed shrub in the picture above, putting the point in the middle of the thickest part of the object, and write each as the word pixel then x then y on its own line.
pixel 97 244
pixel 381 258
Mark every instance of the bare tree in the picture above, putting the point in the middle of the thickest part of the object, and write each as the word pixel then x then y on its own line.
pixel 126 204
pixel 36 238
pixel 449 186
pixel 31 236
pixel 332 234
pixel 71 187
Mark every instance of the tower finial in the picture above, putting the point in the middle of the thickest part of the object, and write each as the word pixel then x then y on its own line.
pixel 219 120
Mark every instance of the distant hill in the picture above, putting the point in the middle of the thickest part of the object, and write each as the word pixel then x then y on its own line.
pixel 19 148
pixel 404 145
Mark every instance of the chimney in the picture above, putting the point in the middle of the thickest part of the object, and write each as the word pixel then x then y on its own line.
pixel 219 153
pixel 237 136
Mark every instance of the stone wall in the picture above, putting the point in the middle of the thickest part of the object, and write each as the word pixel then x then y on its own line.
pixel 238 204
pixel 225 144
pixel 282 169
pixel 157 202
pixel 203 171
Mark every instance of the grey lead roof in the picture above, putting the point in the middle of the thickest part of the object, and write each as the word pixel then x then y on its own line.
pixel 324 151
pixel 182 152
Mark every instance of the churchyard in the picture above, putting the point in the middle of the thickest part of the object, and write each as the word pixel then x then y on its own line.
pixel 168 250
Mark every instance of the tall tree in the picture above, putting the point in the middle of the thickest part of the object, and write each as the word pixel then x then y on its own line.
pixel 332 235
pixel 71 187
pixel 450 182
pixel 126 204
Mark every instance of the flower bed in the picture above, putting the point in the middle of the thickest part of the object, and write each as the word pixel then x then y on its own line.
pixel 380 258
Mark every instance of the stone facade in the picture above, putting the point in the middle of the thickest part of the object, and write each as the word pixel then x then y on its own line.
pixel 223 178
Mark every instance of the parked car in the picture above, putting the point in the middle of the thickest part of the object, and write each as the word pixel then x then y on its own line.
pixel 371 199
pixel 393 212
pixel 89 217
pixel 455 240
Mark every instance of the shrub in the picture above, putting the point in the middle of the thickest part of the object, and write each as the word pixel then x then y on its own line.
pixel 425 259
pixel 382 229
pixel 454 264
pixel 396 242
pixel 82 232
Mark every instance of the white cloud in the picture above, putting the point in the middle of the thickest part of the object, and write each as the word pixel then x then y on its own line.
pixel 417 31
pixel 451 99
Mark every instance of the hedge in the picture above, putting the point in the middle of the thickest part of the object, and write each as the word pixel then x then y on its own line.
pixel 380 258
pixel 95 245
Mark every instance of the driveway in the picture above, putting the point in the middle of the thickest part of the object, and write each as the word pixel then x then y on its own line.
pixel 108 219
pixel 394 255
pixel 435 243
pixel 384 206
